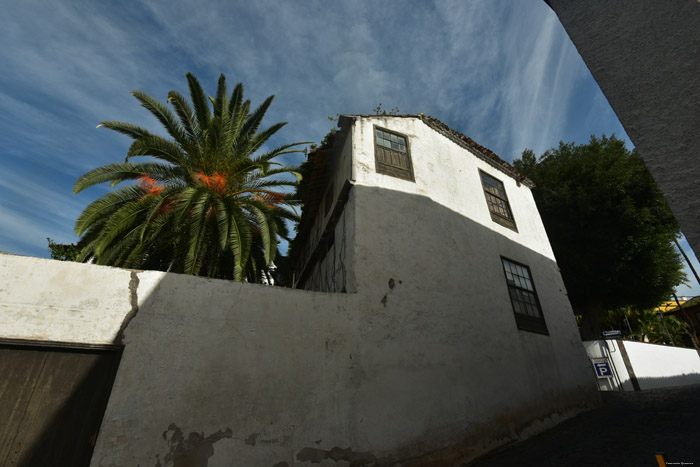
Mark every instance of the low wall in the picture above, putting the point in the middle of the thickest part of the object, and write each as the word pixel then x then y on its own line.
pixel 218 373
pixel 56 301
pixel 640 365
pixel 659 366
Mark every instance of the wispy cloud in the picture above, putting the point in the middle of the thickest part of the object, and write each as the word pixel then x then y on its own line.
pixel 501 72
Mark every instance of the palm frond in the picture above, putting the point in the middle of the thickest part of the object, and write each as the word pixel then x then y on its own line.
pixel 236 99
pixel 105 206
pixel 128 129
pixel 124 219
pixel 221 100
pixel 197 220
pixel 222 222
pixel 254 120
pixel 158 147
pixel 200 103
pixel 188 120
pixel 120 171
pixel 254 143
pixel 164 116
pixel 239 239
pixel 265 228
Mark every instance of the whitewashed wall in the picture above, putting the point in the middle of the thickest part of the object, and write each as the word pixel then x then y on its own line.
pixel 244 374
pixel 659 366
pixel 449 175
pixel 654 366
pixel 48 300
pixel 429 255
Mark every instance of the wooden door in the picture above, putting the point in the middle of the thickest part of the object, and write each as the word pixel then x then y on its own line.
pixel 51 403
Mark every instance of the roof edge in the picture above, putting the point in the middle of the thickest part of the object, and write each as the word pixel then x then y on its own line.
pixel 463 141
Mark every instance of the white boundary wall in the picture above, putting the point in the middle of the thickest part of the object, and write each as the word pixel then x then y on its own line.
pixel 653 366
pixel 659 366
pixel 57 301
pixel 256 375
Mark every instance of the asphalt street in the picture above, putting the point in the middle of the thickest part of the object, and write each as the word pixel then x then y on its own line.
pixel 628 430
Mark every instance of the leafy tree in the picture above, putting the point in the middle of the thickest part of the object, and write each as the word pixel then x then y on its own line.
pixel 207 205
pixel 610 228
pixel 63 251
pixel 647 326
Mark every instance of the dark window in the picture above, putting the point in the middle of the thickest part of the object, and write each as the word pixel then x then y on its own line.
pixel 392 154
pixel 497 201
pixel 523 297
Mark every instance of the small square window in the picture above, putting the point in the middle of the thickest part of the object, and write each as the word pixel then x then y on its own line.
pixel 497 201
pixel 392 155
pixel 523 297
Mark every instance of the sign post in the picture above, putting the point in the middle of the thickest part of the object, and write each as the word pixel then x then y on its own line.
pixel 602 368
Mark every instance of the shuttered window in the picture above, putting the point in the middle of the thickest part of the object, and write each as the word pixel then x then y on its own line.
pixel 392 154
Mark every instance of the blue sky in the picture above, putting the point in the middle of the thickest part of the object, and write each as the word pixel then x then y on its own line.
pixel 504 73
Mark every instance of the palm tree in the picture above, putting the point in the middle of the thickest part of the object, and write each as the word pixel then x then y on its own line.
pixel 203 203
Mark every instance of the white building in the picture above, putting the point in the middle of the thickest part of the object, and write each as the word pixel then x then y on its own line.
pixel 447 333
pixel 407 198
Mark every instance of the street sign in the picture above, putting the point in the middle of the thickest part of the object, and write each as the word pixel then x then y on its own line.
pixel 602 368
pixel 617 333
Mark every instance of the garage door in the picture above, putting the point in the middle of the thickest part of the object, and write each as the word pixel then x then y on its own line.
pixel 51 402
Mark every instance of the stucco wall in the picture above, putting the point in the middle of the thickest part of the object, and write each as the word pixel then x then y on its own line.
pixel 654 366
pixel 243 374
pixel 265 375
pixel 48 300
pixel 644 56
pixel 448 175
pixel 435 241
pixel 659 366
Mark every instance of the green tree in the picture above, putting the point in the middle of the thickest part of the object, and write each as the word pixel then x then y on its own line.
pixel 63 251
pixel 647 326
pixel 610 228
pixel 203 203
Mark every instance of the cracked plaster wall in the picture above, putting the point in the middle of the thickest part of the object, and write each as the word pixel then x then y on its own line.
pixel 48 300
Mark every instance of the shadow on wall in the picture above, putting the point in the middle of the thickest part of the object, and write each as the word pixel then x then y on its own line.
pixel 426 357
pixel 647 382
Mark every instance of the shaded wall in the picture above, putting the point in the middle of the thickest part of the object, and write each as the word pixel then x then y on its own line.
pixel 424 364
pixel 644 56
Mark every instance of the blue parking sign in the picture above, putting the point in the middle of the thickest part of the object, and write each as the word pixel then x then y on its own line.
pixel 602 368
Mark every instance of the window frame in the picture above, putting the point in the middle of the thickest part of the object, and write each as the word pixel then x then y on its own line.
pixel 386 169
pixel 522 321
pixel 495 216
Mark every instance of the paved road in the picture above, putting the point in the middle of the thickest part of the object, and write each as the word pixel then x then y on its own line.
pixel 628 430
